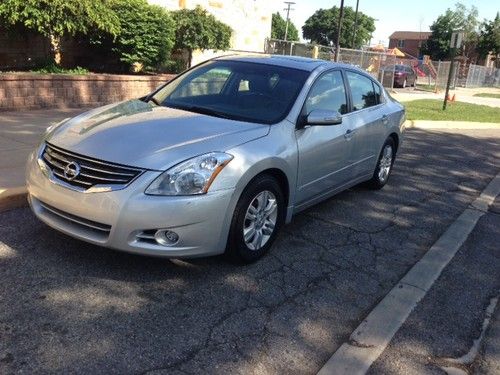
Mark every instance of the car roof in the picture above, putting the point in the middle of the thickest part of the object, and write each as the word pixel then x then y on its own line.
pixel 295 62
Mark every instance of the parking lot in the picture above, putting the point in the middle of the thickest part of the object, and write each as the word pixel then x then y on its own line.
pixel 69 306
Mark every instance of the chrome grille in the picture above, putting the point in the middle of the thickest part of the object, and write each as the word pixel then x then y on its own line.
pixel 91 172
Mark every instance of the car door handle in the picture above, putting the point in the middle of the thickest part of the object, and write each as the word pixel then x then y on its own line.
pixel 385 119
pixel 349 133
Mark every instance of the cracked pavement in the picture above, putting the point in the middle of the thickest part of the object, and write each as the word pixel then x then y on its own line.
pixel 67 306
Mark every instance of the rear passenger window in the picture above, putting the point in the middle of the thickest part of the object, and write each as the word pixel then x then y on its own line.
pixel 362 92
pixel 327 93
pixel 378 93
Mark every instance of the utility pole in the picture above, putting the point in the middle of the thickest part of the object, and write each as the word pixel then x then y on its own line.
pixel 288 9
pixel 355 25
pixel 455 43
pixel 339 30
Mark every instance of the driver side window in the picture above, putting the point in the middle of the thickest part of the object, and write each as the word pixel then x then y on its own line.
pixel 327 93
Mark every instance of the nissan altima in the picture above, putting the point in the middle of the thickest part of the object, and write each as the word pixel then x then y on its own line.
pixel 216 160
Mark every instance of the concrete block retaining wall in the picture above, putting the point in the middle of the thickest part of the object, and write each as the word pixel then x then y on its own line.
pixel 34 91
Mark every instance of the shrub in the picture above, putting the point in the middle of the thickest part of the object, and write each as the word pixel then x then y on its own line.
pixel 53 68
pixel 198 29
pixel 146 37
pixel 58 18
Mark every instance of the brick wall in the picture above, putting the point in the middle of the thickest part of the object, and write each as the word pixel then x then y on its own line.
pixel 31 91
pixel 412 46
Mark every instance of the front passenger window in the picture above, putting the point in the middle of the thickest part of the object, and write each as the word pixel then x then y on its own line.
pixel 327 93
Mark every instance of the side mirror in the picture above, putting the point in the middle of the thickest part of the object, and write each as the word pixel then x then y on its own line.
pixel 323 117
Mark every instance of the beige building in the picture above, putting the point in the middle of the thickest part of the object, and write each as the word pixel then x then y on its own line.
pixel 249 19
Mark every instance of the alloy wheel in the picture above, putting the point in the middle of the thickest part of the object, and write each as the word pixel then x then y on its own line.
pixel 260 220
pixel 385 163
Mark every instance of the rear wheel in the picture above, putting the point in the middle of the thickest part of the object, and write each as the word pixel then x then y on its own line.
pixel 384 165
pixel 257 218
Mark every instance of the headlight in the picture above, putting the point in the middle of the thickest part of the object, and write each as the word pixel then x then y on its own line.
pixel 194 176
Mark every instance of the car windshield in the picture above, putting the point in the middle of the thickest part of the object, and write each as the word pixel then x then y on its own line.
pixel 236 90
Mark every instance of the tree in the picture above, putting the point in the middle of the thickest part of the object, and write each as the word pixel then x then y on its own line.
pixel 321 27
pixel 197 29
pixel 489 39
pixel 57 18
pixel 278 27
pixel 146 36
pixel 459 19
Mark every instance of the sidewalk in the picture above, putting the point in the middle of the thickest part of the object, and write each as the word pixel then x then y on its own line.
pixel 20 132
pixel 461 95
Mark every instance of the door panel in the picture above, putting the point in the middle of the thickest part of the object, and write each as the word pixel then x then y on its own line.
pixel 367 122
pixel 323 150
pixel 323 160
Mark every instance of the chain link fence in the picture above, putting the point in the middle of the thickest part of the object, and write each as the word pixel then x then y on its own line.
pixel 481 76
pixel 431 75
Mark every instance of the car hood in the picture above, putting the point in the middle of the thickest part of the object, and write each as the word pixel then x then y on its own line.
pixel 144 135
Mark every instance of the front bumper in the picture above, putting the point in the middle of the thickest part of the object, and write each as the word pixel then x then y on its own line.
pixel 116 219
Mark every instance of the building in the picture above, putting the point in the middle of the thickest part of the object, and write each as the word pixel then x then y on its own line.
pixel 249 19
pixel 409 42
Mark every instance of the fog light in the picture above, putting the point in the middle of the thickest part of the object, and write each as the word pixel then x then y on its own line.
pixel 166 237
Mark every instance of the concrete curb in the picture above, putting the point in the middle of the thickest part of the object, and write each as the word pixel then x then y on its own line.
pixel 375 332
pixel 424 124
pixel 13 198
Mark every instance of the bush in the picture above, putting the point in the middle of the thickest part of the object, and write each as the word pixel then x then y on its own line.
pixel 146 37
pixel 175 65
pixel 53 68
pixel 198 29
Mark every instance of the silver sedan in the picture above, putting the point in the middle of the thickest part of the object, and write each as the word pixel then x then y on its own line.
pixel 217 160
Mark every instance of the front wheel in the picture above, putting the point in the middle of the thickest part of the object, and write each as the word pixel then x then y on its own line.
pixel 256 221
pixel 384 165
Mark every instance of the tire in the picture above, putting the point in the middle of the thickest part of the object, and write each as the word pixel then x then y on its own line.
pixel 262 188
pixel 384 165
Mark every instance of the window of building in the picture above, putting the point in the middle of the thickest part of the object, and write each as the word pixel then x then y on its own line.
pixel 401 43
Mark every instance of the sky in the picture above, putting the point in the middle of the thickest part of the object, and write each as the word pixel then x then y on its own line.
pixel 392 15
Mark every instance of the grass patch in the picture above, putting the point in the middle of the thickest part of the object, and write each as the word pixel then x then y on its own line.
pixel 426 87
pixel 487 95
pixel 432 109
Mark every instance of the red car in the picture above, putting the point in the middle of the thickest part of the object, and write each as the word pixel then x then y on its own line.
pixel 404 75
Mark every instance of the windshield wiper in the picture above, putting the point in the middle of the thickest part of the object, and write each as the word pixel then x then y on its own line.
pixel 203 111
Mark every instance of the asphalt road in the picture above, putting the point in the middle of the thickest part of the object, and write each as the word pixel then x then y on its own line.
pixel 67 306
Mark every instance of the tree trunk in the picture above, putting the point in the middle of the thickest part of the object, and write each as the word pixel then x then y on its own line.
pixel 190 58
pixel 55 42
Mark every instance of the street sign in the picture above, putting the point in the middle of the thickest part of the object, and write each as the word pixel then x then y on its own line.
pixel 457 38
